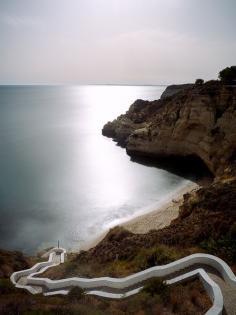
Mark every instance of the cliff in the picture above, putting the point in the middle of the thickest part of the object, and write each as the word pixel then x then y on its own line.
pixel 199 121
pixel 175 88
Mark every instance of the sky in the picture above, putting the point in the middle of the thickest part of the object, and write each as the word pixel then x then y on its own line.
pixel 115 41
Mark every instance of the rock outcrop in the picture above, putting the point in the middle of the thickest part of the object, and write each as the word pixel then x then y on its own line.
pixel 174 89
pixel 197 121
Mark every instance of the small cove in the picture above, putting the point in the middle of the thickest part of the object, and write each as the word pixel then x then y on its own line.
pixel 60 178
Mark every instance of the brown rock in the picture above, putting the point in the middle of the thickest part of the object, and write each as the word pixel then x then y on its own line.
pixel 197 121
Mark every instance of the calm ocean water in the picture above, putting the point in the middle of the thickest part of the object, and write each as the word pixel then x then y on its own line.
pixel 60 179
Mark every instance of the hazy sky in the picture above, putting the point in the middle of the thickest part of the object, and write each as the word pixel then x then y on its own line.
pixel 115 41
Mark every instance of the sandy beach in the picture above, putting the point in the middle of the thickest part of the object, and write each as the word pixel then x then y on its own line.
pixel 161 216
pixel 154 219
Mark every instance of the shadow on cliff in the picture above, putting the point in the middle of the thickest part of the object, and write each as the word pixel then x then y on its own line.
pixel 191 167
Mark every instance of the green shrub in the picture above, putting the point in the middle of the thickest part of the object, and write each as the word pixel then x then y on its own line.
pixel 70 267
pixel 224 247
pixel 159 255
pixel 199 81
pixel 228 75
pixel 163 255
pixel 156 286
pixel 75 294
pixel 6 287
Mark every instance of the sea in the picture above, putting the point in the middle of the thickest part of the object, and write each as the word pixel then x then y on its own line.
pixel 60 179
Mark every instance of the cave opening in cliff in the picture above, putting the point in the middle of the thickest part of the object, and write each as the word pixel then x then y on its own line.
pixel 190 167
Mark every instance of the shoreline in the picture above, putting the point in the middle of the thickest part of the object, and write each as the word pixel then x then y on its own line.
pixel 162 215
pixel 156 218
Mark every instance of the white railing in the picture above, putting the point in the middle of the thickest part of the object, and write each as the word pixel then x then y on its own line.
pixel 62 286
pixel 37 268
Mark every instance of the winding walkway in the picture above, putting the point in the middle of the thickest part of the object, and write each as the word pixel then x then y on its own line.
pixel 216 276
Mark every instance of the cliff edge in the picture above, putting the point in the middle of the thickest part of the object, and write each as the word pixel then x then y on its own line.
pixel 198 120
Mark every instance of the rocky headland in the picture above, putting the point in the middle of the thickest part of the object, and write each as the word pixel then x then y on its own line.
pixel 197 120
pixel 175 88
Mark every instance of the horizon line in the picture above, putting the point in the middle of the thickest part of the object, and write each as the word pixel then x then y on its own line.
pixel 84 84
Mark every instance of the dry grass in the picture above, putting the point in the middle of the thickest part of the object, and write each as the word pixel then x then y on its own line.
pixel 187 299
pixel 77 265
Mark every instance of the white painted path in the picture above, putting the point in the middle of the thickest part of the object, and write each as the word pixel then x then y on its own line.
pixel 216 276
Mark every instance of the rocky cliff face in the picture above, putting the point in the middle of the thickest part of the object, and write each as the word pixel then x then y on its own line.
pixel 197 121
pixel 175 88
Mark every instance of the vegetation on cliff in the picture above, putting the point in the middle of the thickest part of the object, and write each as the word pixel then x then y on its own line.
pixel 206 224
pixel 228 75
pixel 186 299
pixel 11 261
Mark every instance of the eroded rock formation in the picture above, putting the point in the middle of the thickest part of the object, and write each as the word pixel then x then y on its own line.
pixel 175 88
pixel 197 121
